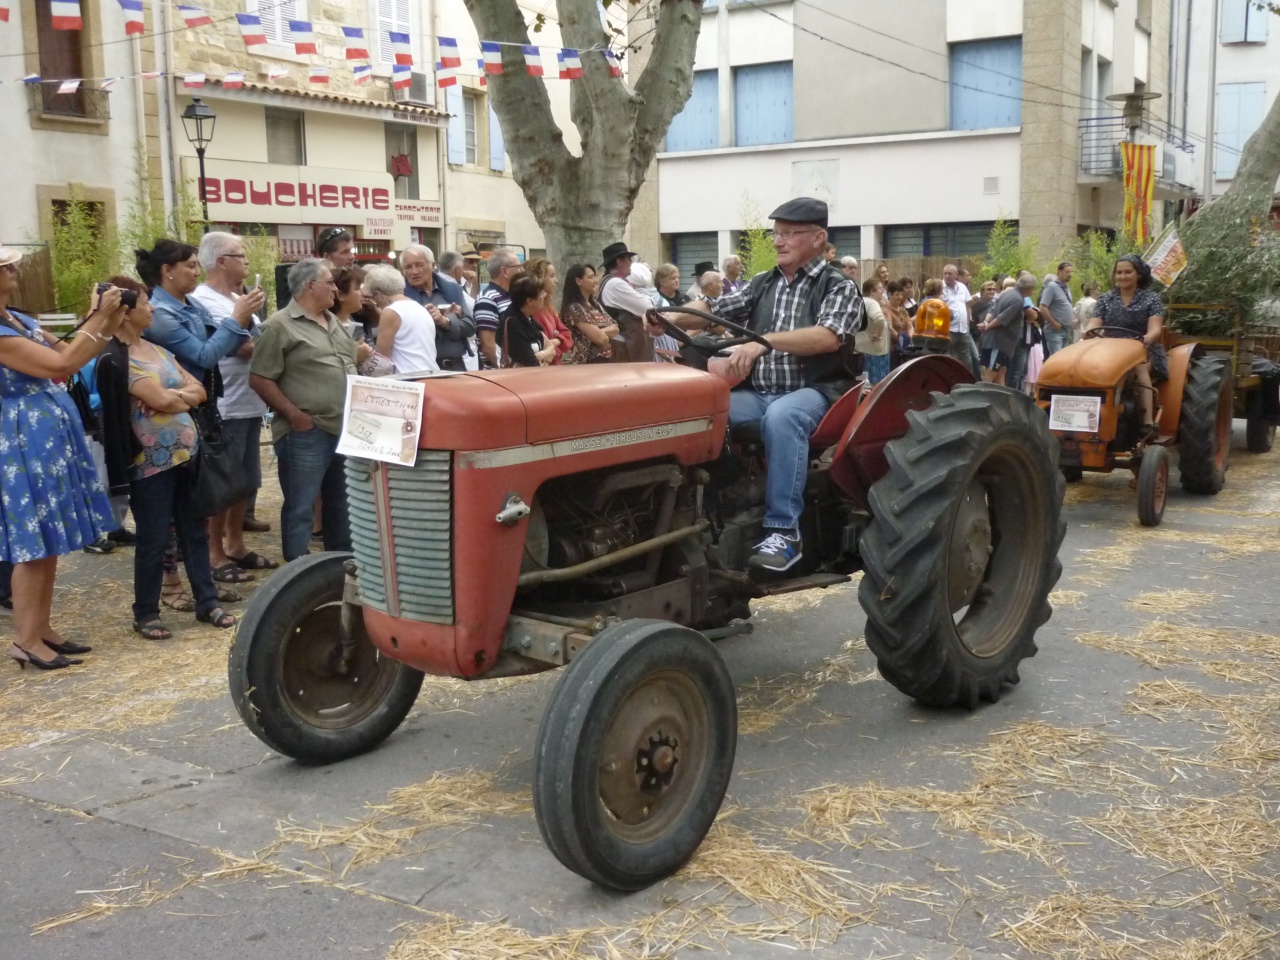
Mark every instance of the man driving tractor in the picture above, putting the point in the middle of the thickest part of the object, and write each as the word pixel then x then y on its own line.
pixel 806 309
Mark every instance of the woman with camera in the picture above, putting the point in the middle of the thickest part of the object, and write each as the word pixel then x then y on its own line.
pixel 53 502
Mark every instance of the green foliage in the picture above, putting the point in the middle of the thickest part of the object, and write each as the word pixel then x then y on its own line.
pixel 83 250
pixel 1094 256
pixel 263 252
pixel 145 221
pixel 755 244
pixel 1007 253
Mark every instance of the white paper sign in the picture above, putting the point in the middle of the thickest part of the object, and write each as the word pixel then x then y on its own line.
pixel 381 420
pixel 1076 414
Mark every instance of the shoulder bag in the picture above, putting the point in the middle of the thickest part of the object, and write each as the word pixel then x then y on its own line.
pixel 218 475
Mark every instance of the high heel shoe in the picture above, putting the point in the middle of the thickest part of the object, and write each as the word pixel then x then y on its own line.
pixel 68 648
pixel 26 656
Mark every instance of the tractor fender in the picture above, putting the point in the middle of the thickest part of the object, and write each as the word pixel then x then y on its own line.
pixel 859 459
pixel 1169 393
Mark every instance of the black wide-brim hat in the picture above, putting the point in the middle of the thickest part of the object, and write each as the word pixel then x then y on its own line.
pixel 613 251
pixel 705 266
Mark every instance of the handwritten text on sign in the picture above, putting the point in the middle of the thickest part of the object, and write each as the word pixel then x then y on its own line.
pixel 381 420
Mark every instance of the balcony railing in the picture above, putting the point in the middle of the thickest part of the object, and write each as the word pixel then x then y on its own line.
pixel 1100 139
pixel 87 103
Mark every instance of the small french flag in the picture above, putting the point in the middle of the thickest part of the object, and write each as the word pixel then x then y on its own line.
pixel 363 72
pixel 193 81
pixel 354 39
pixel 151 74
pixel 194 16
pixel 484 81
pixel 561 70
pixel 572 65
pixel 69 86
pixel 532 61
pixel 319 75
pixel 133 22
pixel 401 76
pixel 31 78
pixel 66 14
pixel 4 11
pixel 615 68
pixel 233 80
pixel 448 50
pixel 492 53
pixel 304 38
pixel 400 47
pixel 108 83
pixel 251 29
pixel 446 76
pixel 277 73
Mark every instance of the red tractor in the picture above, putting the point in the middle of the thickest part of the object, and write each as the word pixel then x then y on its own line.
pixel 599 518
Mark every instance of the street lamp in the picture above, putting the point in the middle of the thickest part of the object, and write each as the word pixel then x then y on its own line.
pixel 198 120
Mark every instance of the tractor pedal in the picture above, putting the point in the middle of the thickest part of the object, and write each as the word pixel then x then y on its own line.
pixel 816 581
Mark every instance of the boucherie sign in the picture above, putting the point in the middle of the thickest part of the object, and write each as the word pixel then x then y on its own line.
pixel 275 193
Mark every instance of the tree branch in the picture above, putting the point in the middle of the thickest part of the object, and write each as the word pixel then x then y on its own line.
pixel 667 80
pixel 597 91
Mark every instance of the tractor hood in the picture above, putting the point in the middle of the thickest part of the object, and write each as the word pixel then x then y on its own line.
pixel 507 408
pixel 1097 363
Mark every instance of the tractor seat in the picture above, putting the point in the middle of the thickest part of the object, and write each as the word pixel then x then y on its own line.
pixel 829 431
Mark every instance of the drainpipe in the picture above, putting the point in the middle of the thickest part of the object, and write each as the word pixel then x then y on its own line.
pixel 1211 112
pixel 442 158
pixel 168 146
pixel 1186 68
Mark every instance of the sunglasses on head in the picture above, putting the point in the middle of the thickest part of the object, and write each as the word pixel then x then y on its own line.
pixel 328 236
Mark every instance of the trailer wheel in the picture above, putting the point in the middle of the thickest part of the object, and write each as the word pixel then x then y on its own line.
pixel 963 548
pixel 1259 434
pixel 1204 426
pixel 288 677
pixel 1153 486
pixel 634 753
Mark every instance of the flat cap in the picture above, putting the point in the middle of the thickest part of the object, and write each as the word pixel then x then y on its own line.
pixel 802 210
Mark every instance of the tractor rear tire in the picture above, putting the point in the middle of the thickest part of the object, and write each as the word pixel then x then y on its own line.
pixel 962 551
pixel 1153 486
pixel 284 674
pixel 1204 426
pixel 634 753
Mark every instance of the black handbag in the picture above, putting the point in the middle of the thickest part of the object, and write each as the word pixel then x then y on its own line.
pixel 219 477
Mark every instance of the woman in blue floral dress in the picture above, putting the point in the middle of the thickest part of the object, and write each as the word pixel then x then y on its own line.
pixel 51 500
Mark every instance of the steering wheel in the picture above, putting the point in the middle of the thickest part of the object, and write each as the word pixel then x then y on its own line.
pixel 1123 333
pixel 708 345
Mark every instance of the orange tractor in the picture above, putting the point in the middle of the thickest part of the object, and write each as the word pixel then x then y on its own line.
pixel 1090 391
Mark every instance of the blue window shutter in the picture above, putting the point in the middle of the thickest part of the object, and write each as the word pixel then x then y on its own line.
pixel 763 110
pixel 697 126
pixel 1256 30
pixel 497 146
pixel 1253 106
pixel 986 84
pixel 457 133
pixel 1234 15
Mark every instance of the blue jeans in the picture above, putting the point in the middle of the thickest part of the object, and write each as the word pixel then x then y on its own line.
pixel 161 502
pixel 1055 340
pixel 1017 373
pixel 966 351
pixel 310 466
pixel 787 420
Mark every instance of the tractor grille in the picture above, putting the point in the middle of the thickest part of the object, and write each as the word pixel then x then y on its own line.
pixel 420 539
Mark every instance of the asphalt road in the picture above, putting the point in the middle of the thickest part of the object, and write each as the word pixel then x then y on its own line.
pixel 1120 802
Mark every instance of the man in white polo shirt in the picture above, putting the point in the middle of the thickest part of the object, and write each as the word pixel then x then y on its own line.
pixel 956 296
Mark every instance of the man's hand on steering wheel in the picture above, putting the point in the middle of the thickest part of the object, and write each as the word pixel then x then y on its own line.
pixel 744 357
pixel 706 345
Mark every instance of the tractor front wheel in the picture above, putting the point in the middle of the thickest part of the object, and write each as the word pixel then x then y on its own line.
pixel 1153 486
pixel 1204 426
pixel 304 686
pixel 634 753
pixel 963 548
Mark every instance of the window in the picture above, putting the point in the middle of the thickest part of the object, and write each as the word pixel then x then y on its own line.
pixel 697 126
pixel 689 249
pixel 402 159
pixel 762 104
pixel 1243 22
pixel 848 241
pixel 393 16
pixel 285 141
pixel 936 239
pixel 275 16
pixel 986 84
pixel 1239 113
pixel 469 128
pixel 497 145
pixel 61 56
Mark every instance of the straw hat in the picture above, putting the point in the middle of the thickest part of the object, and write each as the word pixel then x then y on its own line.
pixel 9 255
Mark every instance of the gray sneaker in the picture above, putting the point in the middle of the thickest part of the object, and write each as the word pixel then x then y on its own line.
pixel 777 552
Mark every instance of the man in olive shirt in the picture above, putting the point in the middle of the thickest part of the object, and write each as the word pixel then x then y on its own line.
pixel 299 369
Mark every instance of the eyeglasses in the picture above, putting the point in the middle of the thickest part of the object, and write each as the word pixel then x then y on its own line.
pixel 237 256
pixel 325 283
pixel 789 234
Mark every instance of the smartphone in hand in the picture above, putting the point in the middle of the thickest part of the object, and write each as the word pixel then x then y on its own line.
pixel 257 281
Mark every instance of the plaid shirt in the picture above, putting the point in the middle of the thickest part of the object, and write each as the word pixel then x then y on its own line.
pixel 778 372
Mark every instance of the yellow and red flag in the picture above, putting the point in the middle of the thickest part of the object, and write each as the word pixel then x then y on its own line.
pixel 1139 164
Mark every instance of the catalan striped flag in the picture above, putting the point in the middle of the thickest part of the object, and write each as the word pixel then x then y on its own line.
pixel 532 60
pixel 363 73
pixel 401 48
pixel 304 37
pixel 251 29
pixel 319 75
pixel 401 76
pixel 66 15
pixel 1138 163
pixel 492 56
pixel 194 16
pixel 353 37
pixel 133 21
pixel 233 80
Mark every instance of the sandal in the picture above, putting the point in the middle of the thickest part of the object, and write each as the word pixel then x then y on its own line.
pixel 100 546
pixel 217 617
pixel 230 573
pixel 227 595
pixel 253 561
pixel 180 602
pixel 152 630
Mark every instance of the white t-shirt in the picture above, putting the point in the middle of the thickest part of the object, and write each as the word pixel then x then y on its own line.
pixel 414 348
pixel 957 298
pixel 238 401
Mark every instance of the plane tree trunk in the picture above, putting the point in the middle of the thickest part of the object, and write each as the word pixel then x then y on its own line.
pixel 582 202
